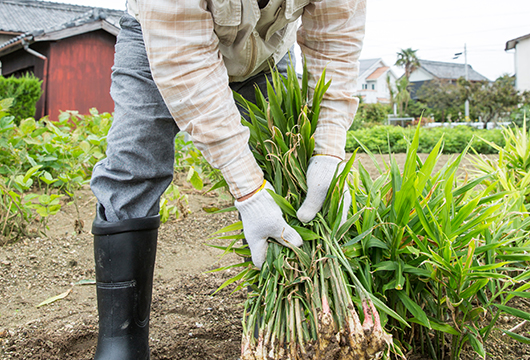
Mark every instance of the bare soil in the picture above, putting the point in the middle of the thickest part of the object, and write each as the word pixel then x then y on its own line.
pixel 187 320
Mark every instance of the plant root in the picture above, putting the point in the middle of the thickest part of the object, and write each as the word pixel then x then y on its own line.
pixel 353 341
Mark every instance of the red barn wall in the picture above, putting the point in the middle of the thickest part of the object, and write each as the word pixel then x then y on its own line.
pixel 79 73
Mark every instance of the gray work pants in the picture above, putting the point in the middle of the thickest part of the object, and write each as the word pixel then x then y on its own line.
pixel 138 168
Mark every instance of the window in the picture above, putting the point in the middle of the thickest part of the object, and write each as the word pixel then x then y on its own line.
pixel 373 86
pixel 365 86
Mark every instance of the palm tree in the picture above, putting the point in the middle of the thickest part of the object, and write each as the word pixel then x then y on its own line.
pixel 402 96
pixel 407 59
pixel 391 91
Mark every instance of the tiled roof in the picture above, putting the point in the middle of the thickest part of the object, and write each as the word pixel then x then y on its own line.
pixel 22 16
pixel 452 71
pixel 365 64
pixel 378 72
pixel 108 19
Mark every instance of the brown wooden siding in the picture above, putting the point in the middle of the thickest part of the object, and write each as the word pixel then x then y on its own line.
pixel 79 73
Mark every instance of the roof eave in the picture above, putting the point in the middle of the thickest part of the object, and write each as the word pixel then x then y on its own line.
pixel 110 28
pixel 60 34
pixel 510 44
pixel 17 45
pixel 8 32
pixel 428 71
pixel 78 30
pixel 393 73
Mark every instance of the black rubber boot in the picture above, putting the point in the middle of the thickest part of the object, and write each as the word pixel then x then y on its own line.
pixel 124 253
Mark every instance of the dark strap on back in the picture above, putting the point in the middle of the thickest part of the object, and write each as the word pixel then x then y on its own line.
pixel 262 3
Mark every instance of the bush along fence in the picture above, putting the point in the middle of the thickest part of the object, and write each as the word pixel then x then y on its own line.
pixel 24 92
pixel 394 139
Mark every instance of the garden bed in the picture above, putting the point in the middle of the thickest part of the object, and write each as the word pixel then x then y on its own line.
pixel 187 321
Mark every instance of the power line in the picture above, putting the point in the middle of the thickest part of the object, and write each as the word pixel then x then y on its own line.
pixel 431 19
pixel 446 35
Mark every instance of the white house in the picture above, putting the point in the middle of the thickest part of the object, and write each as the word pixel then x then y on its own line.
pixel 522 61
pixel 372 84
pixel 446 71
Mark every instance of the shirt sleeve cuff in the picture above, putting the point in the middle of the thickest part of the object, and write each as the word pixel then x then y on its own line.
pixel 335 119
pixel 330 140
pixel 243 175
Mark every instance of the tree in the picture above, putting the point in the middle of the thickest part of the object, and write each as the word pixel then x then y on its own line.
pixel 489 101
pixel 391 91
pixel 494 101
pixel 407 59
pixel 442 97
pixel 402 96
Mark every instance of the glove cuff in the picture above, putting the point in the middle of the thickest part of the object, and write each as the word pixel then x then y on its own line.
pixel 258 203
pixel 327 163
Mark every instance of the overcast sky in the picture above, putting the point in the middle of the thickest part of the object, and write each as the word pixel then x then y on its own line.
pixel 438 29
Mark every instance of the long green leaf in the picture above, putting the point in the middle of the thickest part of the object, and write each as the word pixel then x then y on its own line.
pixel 282 203
pixel 517 337
pixel 440 326
pixel 232 280
pixel 414 309
pixel 515 312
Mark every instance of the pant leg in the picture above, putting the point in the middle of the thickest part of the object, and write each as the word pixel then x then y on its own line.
pixel 141 142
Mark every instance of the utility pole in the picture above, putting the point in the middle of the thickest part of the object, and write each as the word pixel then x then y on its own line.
pixel 457 55
pixel 467 79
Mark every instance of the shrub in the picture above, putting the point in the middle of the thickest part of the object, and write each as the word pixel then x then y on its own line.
pixel 382 139
pixel 54 157
pixel 43 161
pixel 510 171
pixel 369 115
pixel 25 92
pixel 440 250
pixel 518 116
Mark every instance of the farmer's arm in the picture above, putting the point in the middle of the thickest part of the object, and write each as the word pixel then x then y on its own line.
pixel 331 38
pixel 188 69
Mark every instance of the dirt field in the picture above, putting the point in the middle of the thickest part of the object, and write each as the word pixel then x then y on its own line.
pixel 187 322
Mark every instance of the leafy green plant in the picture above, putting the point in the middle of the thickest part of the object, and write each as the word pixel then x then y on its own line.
pixel 434 252
pixel 437 250
pixel 519 115
pixel 15 213
pixel 511 169
pixel 43 161
pixel 305 301
pixel 173 203
pixel 369 115
pixel 190 160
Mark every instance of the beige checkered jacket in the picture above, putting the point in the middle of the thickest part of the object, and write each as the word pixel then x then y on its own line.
pixel 195 47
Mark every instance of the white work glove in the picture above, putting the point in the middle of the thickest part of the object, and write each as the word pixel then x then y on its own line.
pixel 319 176
pixel 262 219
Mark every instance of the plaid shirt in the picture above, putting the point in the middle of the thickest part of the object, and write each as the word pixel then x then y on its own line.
pixel 188 68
